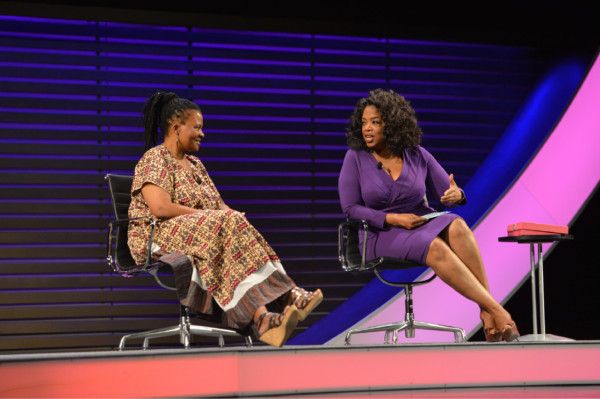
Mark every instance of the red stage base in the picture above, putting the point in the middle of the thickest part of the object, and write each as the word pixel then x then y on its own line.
pixel 528 369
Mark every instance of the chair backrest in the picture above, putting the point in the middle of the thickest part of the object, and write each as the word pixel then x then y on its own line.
pixel 120 192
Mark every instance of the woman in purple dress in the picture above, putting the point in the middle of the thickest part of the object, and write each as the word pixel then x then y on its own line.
pixel 383 180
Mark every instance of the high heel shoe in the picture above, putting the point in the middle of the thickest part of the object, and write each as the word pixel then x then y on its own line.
pixel 510 333
pixel 492 337
pixel 486 319
pixel 277 334
pixel 305 301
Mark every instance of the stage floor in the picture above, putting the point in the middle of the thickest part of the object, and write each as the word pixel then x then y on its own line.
pixel 563 369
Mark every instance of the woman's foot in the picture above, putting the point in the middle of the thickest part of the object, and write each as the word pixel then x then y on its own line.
pixel 510 332
pixel 275 328
pixel 304 300
pixel 506 325
pixel 492 334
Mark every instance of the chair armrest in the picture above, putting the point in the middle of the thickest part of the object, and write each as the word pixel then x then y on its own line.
pixel 148 266
pixel 343 228
pixel 109 244
pixel 376 264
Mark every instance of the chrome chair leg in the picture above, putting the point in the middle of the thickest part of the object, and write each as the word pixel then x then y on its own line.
pixel 459 333
pixel 184 333
pixel 160 332
pixel 409 325
pixel 387 328
pixel 409 328
pixel 185 330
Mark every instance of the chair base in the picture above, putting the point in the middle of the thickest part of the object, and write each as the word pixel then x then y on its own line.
pixel 353 259
pixel 408 326
pixel 185 330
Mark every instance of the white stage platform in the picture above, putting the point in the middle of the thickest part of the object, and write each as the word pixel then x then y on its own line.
pixel 526 369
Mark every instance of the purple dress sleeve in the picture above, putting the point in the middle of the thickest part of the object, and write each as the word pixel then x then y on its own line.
pixel 437 180
pixel 369 193
pixel 351 198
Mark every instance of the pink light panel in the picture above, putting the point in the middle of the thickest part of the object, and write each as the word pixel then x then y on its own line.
pixel 263 373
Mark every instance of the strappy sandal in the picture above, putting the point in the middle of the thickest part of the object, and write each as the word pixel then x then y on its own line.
pixel 303 301
pixel 277 334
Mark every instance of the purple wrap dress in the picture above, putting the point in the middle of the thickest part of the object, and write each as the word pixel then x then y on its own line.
pixel 369 193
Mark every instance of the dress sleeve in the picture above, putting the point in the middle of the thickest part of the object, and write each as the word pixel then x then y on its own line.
pixel 438 180
pixel 152 168
pixel 351 199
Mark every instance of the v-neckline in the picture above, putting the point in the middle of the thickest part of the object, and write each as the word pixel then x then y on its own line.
pixel 193 171
pixel 387 174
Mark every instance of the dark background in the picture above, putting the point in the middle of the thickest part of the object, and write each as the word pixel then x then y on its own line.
pixel 570 26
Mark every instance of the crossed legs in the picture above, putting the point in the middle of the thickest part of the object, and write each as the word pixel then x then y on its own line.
pixel 455 257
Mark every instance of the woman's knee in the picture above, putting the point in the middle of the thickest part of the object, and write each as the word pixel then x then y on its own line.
pixel 234 217
pixel 438 252
pixel 459 230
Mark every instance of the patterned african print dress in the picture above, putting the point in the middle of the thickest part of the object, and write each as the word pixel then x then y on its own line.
pixel 232 262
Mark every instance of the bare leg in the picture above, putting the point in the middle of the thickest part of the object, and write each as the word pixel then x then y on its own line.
pixel 259 311
pixel 275 328
pixel 305 301
pixel 461 240
pixel 264 325
pixel 454 272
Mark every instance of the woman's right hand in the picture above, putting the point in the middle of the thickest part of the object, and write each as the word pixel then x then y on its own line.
pixel 408 221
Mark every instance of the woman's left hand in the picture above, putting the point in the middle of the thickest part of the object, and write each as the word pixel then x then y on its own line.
pixel 453 195
pixel 223 206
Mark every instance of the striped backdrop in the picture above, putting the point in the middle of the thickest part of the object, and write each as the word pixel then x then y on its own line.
pixel 275 108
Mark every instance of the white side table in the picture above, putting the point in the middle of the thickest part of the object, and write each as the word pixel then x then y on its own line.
pixel 532 240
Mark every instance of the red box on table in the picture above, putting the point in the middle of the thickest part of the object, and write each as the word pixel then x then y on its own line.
pixel 529 228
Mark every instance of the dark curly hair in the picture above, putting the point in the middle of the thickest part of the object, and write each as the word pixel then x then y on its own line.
pixel 159 111
pixel 401 129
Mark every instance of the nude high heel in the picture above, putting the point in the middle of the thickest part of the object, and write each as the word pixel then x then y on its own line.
pixel 510 333
pixel 492 337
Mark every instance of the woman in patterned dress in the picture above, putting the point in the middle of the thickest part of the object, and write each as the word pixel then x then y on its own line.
pixel 232 262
